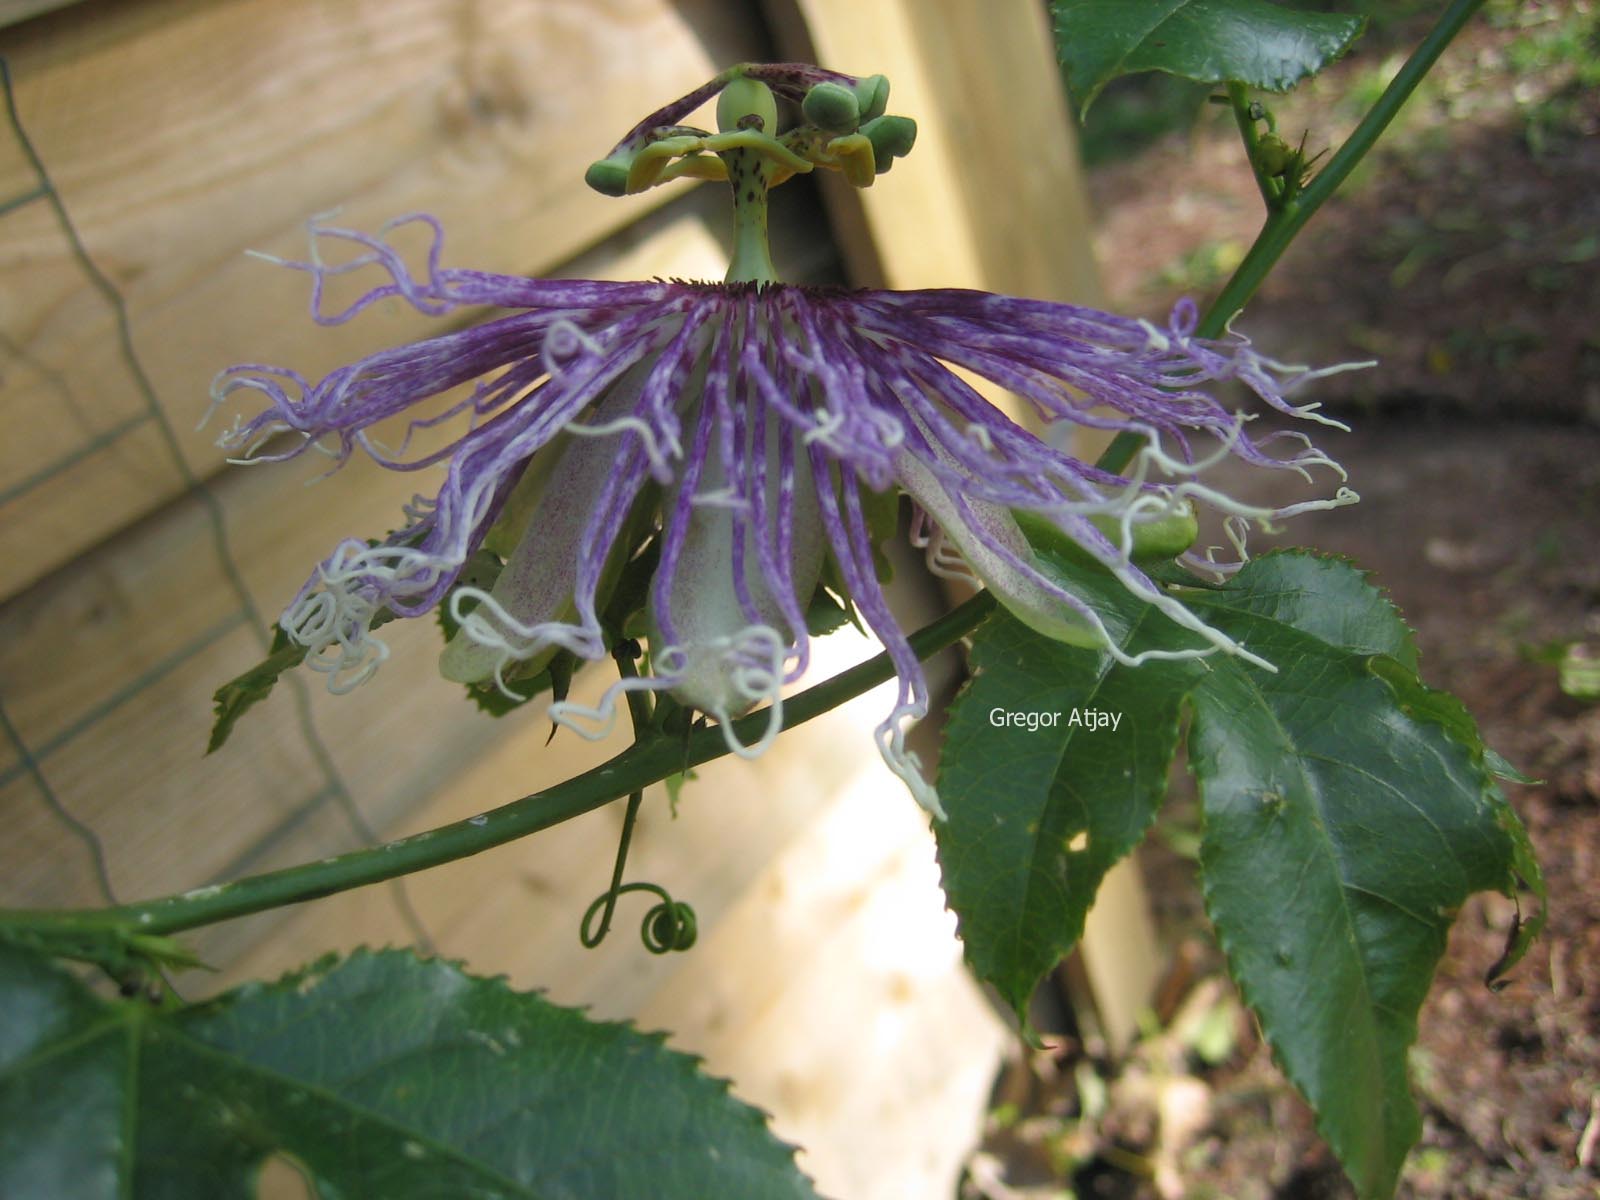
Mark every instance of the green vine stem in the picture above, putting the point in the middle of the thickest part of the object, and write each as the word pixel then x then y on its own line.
pixel 649 760
pixel 643 718
pixel 1245 119
pixel 1285 221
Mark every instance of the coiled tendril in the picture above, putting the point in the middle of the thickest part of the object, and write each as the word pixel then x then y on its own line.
pixel 669 925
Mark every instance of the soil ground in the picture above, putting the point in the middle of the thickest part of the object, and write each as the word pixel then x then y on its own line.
pixel 1466 258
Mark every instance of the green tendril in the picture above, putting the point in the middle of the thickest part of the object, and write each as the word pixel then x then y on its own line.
pixel 669 925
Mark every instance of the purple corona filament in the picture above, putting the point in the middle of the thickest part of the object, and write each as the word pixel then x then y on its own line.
pixel 747 427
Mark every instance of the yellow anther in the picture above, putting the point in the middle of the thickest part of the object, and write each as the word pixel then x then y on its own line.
pixel 653 159
pixel 696 166
pixel 763 144
pixel 652 164
pixel 854 156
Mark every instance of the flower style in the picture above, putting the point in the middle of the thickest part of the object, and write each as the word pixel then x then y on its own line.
pixel 747 434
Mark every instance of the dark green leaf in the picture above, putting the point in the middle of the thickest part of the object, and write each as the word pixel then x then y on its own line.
pixel 1349 811
pixel 1348 814
pixel 1253 42
pixel 1038 815
pixel 1327 597
pixel 826 614
pixel 1502 769
pixel 1525 866
pixel 382 1075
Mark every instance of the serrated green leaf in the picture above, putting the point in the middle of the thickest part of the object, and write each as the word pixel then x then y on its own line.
pixel 1349 811
pixel 382 1075
pixel 236 697
pixel 1348 814
pixel 825 614
pixel 1501 768
pixel 1037 815
pixel 1525 867
pixel 1327 597
pixel 1253 42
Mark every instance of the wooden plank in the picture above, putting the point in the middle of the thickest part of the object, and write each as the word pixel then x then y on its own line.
pixel 180 134
pixel 994 183
pixel 836 996
pixel 107 668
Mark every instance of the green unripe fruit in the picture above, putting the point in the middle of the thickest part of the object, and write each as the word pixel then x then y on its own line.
pixel 1154 541
pixel 831 107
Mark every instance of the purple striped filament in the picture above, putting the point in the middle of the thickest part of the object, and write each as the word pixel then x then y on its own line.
pixel 750 430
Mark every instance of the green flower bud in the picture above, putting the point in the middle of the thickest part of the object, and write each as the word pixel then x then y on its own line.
pixel 1274 156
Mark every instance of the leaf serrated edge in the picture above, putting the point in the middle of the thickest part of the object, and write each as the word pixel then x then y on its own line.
pixel 1518 942
pixel 1017 1013
pixel 1280 87
pixel 1246 993
pixel 1228 944
pixel 1368 577
pixel 1105 667
pixel 1523 865
pixel 324 964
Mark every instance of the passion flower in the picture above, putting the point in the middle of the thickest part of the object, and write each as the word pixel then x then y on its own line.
pixel 747 432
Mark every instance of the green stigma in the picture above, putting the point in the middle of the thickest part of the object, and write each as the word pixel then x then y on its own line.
pixel 747 105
